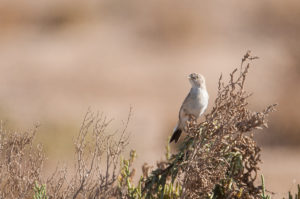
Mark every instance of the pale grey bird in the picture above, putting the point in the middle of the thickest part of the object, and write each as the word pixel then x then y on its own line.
pixel 193 106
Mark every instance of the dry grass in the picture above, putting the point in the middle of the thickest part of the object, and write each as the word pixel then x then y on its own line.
pixel 97 156
pixel 20 163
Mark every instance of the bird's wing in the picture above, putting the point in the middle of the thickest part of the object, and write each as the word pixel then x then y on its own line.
pixel 184 104
pixel 183 114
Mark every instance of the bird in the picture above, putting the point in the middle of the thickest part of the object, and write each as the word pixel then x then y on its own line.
pixel 193 105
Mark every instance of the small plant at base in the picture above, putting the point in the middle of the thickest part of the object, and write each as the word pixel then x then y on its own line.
pixel 40 191
pixel 168 189
pixel 297 195
pixel 263 194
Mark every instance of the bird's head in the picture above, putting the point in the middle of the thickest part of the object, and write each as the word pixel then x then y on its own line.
pixel 197 80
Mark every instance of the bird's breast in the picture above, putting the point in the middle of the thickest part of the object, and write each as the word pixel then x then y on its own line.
pixel 198 102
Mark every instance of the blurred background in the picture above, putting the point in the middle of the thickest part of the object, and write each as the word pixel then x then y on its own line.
pixel 59 57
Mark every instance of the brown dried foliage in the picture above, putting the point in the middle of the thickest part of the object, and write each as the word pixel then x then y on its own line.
pixel 97 156
pixel 222 158
pixel 219 157
pixel 20 163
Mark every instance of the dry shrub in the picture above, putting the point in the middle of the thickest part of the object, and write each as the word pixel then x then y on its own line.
pixel 223 158
pixel 96 165
pixel 97 156
pixel 20 163
pixel 219 157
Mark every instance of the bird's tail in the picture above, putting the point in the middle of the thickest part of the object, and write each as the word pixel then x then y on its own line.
pixel 176 134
